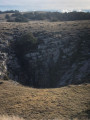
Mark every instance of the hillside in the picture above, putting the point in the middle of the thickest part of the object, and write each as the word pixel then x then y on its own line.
pixel 65 103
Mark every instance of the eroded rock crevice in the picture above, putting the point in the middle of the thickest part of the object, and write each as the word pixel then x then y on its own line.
pixel 54 60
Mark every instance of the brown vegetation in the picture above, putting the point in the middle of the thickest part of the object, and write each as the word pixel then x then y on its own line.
pixel 6 117
pixel 61 103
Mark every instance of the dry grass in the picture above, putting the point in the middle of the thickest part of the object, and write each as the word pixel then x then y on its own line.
pixel 42 26
pixel 6 117
pixel 61 103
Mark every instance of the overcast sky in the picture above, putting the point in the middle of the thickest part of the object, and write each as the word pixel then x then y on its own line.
pixel 46 4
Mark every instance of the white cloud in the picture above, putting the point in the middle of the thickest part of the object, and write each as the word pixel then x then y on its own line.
pixel 48 4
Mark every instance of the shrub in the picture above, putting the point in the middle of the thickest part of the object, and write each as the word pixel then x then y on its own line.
pixel 26 43
pixel 23 45
pixel 7 16
pixel 6 77
pixel 21 19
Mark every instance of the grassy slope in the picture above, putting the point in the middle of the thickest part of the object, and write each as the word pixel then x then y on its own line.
pixel 61 103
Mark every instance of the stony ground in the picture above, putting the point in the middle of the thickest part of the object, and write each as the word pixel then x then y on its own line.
pixel 62 103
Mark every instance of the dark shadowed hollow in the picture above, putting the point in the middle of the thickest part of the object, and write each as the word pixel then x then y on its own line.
pixel 52 63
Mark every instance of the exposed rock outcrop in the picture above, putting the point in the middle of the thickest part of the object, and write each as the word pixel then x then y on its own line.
pixel 62 56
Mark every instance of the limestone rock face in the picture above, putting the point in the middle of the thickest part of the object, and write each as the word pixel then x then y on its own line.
pixel 60 61
pixel 3 58
pixel 62 56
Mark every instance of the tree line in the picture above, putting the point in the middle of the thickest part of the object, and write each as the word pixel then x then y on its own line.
pixel 50 16
pixel 58 16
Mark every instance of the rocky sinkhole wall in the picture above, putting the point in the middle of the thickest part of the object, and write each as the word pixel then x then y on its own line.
pixel 55 61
